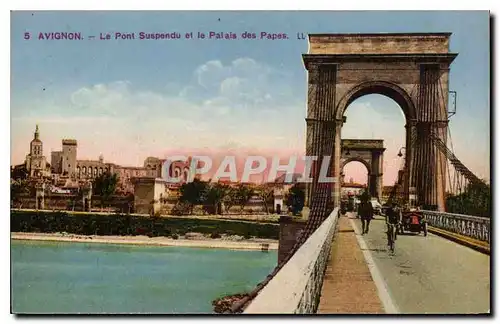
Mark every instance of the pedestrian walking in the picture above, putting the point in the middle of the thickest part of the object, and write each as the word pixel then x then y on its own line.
pixel 365 212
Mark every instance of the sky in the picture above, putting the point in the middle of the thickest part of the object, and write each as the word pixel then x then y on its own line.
pixel 130 99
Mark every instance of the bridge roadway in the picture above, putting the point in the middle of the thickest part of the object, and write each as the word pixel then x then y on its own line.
pixel 429 274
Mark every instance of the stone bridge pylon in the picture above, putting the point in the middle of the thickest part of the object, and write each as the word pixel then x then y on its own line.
pixel 410 68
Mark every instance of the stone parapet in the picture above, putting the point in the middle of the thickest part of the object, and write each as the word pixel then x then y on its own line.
pixel 297 286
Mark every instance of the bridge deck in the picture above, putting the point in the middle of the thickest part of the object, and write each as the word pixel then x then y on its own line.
pixel 428 275
pixel 348 286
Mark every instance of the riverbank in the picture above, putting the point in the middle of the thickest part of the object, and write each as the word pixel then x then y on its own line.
pixel 194 240
pixel 92 224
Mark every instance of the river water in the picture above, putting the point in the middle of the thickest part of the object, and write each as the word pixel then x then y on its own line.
pixel 50 277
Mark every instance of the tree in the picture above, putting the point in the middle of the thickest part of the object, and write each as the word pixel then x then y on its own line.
pixel 213 196
pixel 192 193
pixel 105 186
pixel 475 200
pixel 296 198
pixel 243 195
pixel 231 198
pixel 266 193
pixel 17 189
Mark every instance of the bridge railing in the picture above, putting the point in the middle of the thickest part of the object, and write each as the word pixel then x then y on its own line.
pixel 471 226
pixel 296 288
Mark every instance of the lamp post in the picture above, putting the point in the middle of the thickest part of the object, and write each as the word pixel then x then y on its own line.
pixel 400 153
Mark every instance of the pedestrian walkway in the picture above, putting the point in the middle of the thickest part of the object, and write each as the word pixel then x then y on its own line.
pixel 348 287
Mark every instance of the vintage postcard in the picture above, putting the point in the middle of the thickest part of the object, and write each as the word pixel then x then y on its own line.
pixel 250 162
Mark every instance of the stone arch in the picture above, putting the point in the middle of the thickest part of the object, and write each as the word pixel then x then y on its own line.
pixel 410 68
pixel 388 89
pixel 370 153
pixel 343 163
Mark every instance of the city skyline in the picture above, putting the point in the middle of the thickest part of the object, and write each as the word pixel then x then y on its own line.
pixel 131 99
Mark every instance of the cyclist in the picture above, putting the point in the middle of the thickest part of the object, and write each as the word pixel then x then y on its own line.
pixel 392 220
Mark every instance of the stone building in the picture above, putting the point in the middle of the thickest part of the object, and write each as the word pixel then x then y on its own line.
pixel 91 169
pixel 65 166
pixel 126 174
pixel 153 165
pixel 352 189
pixel 64 162
pixel 148 194
pixel 36 162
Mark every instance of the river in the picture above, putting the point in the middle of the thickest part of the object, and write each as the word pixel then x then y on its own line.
pixel 92 278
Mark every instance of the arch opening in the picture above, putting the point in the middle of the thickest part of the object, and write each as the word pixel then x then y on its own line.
pixel 354 177
pixel 378 117
pixel 387 89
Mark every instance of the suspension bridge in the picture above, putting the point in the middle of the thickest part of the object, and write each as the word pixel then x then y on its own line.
pixel 332 268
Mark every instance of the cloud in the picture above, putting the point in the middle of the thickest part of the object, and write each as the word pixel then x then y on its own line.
pixel 211 74
pixel 232 102
pixel 245 83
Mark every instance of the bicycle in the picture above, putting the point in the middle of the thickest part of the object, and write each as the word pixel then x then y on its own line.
pixel 391 236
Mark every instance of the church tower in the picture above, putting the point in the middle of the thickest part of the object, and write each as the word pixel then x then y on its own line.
pixel 35 161
pixel 36 145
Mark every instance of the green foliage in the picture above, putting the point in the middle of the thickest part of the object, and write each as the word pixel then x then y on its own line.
pixel 231 198
pixel 213 196
pixel 181 208
pixel 242 195
pixel 17 189
pixel 114 224
pixel 474 201
pixel 296 198
pixel 105 186
pixel 265 193
pixel 192 193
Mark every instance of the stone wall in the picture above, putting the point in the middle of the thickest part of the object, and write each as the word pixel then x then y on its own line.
pixel 148 193
pixel 290 230
pixel 296 288
pixel 379 43
pixel 73 202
